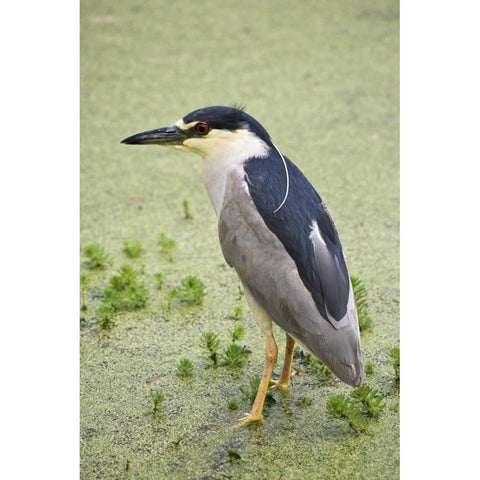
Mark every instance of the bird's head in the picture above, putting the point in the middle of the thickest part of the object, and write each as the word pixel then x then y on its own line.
pixel 210 132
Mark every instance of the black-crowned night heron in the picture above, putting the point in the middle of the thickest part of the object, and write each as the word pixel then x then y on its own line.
pixel 277 233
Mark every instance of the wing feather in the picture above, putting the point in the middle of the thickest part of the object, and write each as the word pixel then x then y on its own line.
pixel 268 271
pixel 306 229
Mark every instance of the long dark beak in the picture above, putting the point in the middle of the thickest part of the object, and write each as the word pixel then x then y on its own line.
pixel 161 136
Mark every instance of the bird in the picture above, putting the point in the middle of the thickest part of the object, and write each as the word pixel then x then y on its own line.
pixel 276 231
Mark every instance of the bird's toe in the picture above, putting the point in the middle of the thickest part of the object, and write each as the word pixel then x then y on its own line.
pixel 249 419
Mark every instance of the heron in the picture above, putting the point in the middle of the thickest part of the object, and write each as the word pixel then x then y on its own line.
pixel 276 231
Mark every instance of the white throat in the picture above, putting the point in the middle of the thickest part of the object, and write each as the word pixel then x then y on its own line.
pixel 223 152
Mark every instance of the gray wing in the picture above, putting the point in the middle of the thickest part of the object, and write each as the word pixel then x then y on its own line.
pixel 271 275
pixel 306 229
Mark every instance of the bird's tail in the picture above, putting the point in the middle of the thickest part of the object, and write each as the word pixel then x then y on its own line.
pixel 340 350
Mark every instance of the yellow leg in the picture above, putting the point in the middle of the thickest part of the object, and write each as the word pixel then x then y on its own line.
pixel 284 381
pixel 271 355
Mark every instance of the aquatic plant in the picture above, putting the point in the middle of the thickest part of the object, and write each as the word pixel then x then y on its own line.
pixel 237 312
pixel 372 401
pixel 347 410
pixel 318 367
pixel 157 403
pixel 210 342
pixel 186 210
pixel 234 356
pixel 233 456
pixel 364 323
pixel 167 245
pixel 395 356
pixel 132 248
pixel 305 401
pixel 191 291
pixel 185 368
pixel 368 369
pixel 361 300
pixel 84 282
pixel 314 365
pixel 125 291
pixel 95 257
pixel 159 278
pixel 105 316
pixel 250 393
pixel 237 333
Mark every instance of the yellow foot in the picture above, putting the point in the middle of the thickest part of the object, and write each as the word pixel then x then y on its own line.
pixel 248 419
pixel 279 385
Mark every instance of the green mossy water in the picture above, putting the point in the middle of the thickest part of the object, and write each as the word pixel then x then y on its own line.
pixel 322 77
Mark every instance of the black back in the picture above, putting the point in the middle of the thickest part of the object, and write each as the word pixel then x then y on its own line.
pixel 266 179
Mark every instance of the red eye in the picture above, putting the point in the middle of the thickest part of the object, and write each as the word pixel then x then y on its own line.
pixel 202 128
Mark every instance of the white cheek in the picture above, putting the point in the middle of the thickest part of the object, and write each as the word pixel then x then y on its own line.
pixel 216 145
pixel 180 148
pixel 196 145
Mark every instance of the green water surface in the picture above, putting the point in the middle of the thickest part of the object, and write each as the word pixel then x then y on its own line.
pixel 322 77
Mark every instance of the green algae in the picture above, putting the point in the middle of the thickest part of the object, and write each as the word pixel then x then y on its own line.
pixel 323 79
